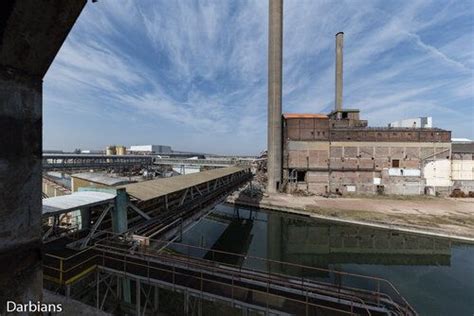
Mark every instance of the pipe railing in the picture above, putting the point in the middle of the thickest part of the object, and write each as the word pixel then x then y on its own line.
pixel 379 285
pixel 66 265
pixel 102 259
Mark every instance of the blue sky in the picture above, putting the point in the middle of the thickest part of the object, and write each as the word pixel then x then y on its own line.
pixel 193 74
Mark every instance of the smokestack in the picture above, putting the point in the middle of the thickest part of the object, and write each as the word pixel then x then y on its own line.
pixel 275 52
pixel 339 48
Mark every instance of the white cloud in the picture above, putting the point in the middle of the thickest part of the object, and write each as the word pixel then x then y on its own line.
pixel 197 69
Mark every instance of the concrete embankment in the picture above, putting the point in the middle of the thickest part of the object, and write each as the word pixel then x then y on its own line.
pixel 438 217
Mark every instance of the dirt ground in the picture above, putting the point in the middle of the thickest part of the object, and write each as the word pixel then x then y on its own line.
pixel 451 217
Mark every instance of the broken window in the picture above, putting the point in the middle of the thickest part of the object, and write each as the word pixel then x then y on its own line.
pixel 395 163
pixel 300 176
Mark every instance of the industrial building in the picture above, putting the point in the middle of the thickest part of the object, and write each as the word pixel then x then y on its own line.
pixel 116 150
pixel 420 122
pixel 323 154
pixel 150 149
pixel 339 153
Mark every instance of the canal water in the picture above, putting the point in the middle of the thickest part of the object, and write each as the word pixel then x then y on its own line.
pixel 436 276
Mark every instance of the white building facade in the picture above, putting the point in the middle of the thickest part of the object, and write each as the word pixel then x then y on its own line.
pixel 418 122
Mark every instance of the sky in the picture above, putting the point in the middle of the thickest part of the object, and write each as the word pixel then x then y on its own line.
pixel 193 74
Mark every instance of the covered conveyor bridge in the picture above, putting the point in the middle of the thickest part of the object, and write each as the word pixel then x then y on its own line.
pixel 72 202
pixel 150 208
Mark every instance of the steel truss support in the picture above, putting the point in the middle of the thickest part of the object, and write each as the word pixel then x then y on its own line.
pixel 139 211
pixel 108 280
pixel 188 293
pixel 96 225
pixel 197 189
pixel 181 202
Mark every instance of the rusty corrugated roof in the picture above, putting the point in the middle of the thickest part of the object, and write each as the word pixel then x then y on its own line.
pixel 304 115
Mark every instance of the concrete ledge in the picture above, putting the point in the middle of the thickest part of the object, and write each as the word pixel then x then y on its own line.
pixel 368 223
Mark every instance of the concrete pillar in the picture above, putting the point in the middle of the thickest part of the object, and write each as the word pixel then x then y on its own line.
pixel 21 278
pixel 339 74
pixel 31 33
pixel 275 54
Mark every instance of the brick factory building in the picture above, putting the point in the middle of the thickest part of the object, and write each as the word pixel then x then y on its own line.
pixel 339 153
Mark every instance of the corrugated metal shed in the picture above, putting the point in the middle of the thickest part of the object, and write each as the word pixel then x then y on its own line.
pixel 101 178
pixel 152 189
pixel 71 202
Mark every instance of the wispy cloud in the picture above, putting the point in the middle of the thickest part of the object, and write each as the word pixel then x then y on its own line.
pixel 193 73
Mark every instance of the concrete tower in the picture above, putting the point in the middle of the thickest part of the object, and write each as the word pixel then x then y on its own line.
pixel 339 48
pixel 275 52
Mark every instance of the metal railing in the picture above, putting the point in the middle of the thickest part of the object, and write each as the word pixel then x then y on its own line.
pixel 375 290
pixel 203 285
pixel 115 254
pixel 377 287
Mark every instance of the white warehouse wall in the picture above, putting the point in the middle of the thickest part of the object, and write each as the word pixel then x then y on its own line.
pixel 463 169
pixel 437 173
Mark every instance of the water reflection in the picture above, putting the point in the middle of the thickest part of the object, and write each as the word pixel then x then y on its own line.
pixel 435 275
pixel 322 243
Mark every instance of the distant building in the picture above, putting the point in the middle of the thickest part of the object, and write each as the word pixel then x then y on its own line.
pixel 90 151
pixel 419 122
pixel 461 140
pixel 116 150
pixel 150 149
pixel 120 150
pixel 48 151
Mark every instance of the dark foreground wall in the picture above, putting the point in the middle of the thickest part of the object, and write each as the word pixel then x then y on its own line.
pixel 31 33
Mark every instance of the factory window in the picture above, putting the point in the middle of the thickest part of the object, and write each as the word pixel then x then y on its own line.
pixel 300 176
pixel 395 163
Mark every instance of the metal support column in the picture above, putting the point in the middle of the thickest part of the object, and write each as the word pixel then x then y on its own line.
pixel 68 291
pixel 137 296
pixel 119 213
pixel 85 218
pixel 186 302
pixel 156 299
pixel 120 225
